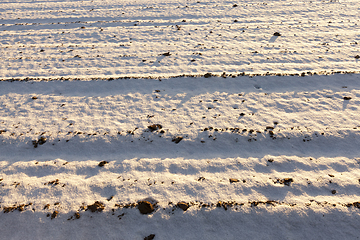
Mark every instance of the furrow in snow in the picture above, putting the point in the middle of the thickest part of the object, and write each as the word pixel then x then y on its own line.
pixel 88 39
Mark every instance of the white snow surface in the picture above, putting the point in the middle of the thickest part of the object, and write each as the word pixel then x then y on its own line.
pixel 112 38
pixel 253 156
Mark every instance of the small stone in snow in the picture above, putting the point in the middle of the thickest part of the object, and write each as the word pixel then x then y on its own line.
pixel 232 180
pixel 177 139
pixel 102 163
pixel 183 205
pixel 145 207
pixel 277 34
pixel 201 179
pixel 347 98
pixel 150 237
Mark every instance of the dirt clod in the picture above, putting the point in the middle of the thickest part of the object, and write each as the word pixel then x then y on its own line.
pixel 54 182
pixel 102 163
pixel 150 237
pixel 42 140
pixel 96 207
pixel 177 139
pixel 207 75
pixel 54 214
pixel 183 205
pixel 9 209
pixel 232 180
pixel 356 204
pixel 286 181
pixel 20 208
pixel 154 127
pixel 145 207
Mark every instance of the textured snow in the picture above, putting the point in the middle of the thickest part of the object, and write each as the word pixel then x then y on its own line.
pixel 53 39
pixel 254 156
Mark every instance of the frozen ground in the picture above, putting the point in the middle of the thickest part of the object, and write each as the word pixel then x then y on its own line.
pixel 252 157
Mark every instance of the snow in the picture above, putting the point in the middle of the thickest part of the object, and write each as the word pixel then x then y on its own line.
pixel 271 153
pixel 82 39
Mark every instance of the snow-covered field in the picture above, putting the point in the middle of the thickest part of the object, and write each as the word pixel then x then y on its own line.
pixel 213 128
pixel 112 38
